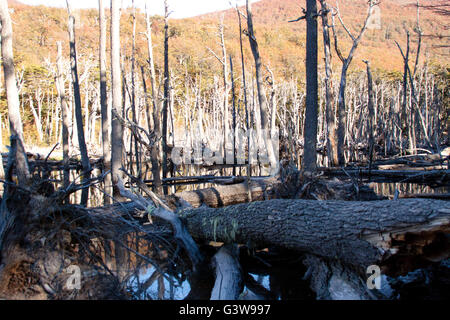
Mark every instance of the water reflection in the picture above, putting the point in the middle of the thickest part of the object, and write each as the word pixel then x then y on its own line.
pixel 149 284
pixel 390 189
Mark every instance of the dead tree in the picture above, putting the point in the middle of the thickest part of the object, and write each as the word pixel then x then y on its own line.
pixel 263 105
pixel 346 61
pixel 12 96
pixel 77 98
pixel 329 96
pixel 156 147
pixel 117 108
pixel 310 133
pixel 165 110
pixel 106 114
pixel 244 83
pixel 223 61
pixel 371 117
pixel 61 88
pixel 133 97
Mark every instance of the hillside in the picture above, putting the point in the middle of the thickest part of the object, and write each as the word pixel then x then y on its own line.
pixel 272 18
pixel 38 28
pixel 282 44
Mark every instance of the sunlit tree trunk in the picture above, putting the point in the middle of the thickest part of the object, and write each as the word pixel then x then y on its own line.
pixel 117 128
pixel 329 97
pixel 12 96
pixel 155 152
pixel 106 138
pixel 263 105
pixel 64 115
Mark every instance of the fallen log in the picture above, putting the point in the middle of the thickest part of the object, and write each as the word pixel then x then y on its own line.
pixel 431 177
pixel 225 195
pixel 360 234
pixel 228 284
pixel 436 196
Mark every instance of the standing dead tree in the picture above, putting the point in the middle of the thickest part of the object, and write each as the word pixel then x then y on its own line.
pixel 244 83
pixel 371 117
pixel 226 85
pixel 106 114
pixel 329 96
pixel 61 88
pixel 310 133
pixel 346 61
pixel 156 146
pixel 411 117
pixel 12 96
pixel 77 97
pixel 165 110
pixel 263 105
pixel 117 127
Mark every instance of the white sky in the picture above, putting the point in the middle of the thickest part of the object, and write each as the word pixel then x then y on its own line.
pixel 179 8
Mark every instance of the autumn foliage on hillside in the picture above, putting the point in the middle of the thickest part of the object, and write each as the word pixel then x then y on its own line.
pixel 37 29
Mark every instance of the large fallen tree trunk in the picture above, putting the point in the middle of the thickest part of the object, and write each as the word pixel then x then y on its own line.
pixel 361 234
pixel 384 233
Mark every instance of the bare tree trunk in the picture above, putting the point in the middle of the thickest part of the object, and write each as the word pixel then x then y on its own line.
pixel 370 121
pixel 117 127
pixel 233 96
pixel 329 97
pixel 64 115
pixel 12 96
pixel 247 116
pixel 78 114
pixel 263 106
pixel 133 95
pixel 165 148
pixel 310 136
pixel 37 118
pixel 155 152
pixel 106 138
pixel 226 89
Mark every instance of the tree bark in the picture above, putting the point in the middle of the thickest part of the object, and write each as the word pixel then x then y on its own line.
pixel 228 284
pixel 156 147
pixel 263 105
pixel 12 96
pixel 64 115
pixel 220 196
pixel 165 148
pixel 78 114
pixel 329 96
pixel 310 136
pixel 371 117
pixel 106 114
pixel 117 127
pixel 359 234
